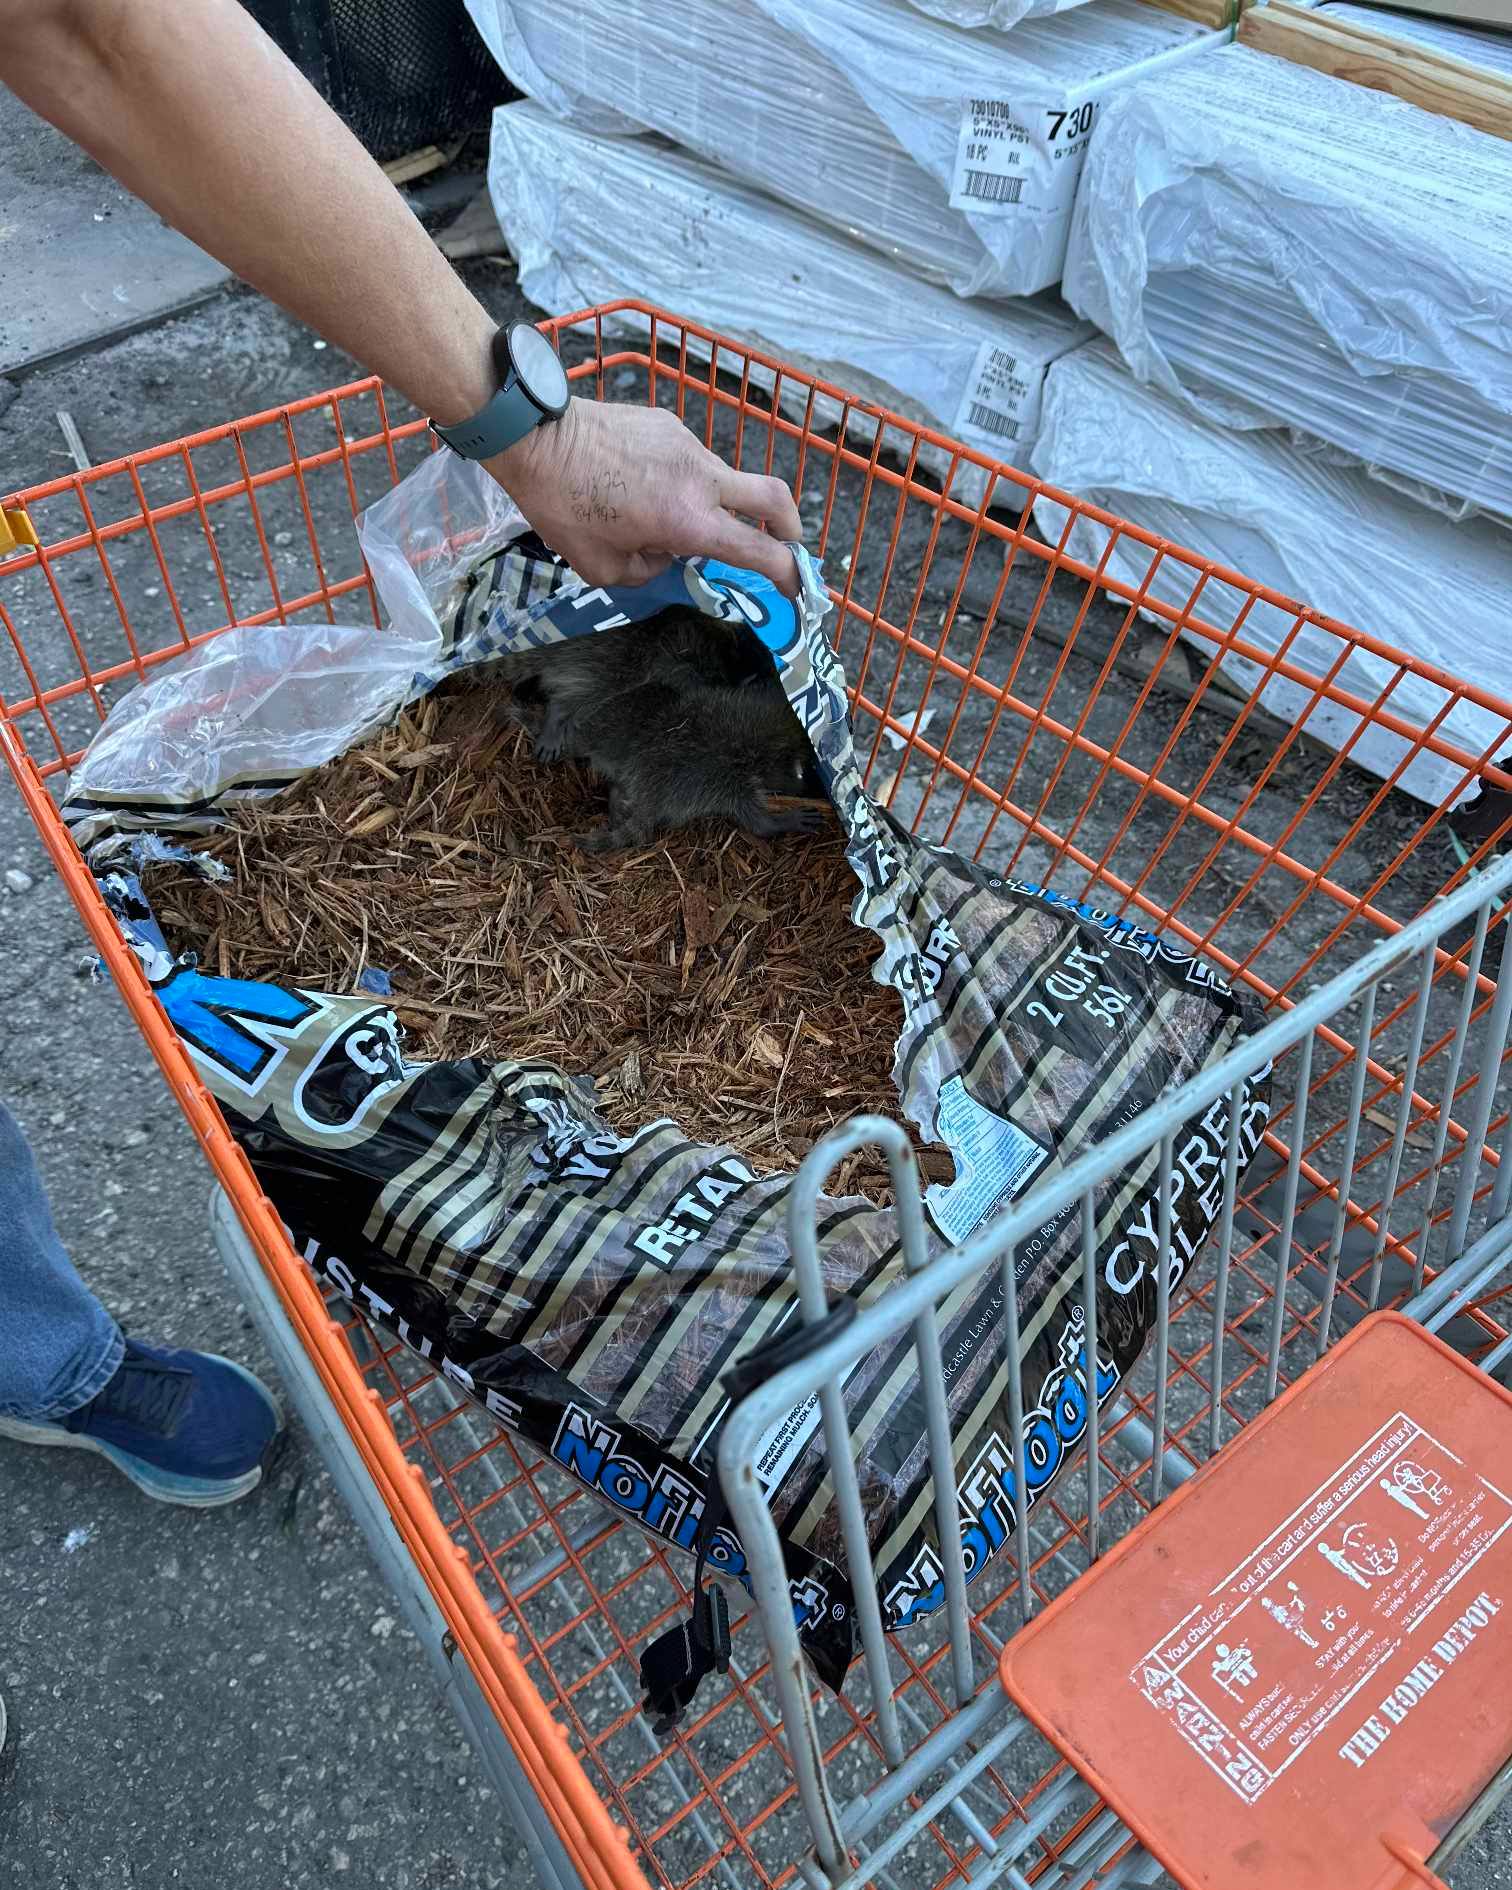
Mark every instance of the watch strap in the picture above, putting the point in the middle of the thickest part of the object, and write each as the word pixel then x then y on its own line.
pixel 508 417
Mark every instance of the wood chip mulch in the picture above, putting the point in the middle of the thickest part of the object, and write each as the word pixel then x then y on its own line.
pixel 709 977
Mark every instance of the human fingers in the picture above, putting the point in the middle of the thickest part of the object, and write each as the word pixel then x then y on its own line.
pixel 641 566
pixel 717 535
pixel 594 559
pixel 760 497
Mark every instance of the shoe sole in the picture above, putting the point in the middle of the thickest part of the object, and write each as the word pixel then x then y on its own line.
pixel 161 1485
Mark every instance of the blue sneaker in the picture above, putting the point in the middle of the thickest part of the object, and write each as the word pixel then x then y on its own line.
pixel 186 1427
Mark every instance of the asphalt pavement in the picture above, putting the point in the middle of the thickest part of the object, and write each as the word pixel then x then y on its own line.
pixel 223 1698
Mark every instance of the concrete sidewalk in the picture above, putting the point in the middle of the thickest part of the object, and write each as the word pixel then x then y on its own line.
pixel 81 260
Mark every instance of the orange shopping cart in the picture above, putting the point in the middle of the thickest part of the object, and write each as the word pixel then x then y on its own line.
pixel 1141 741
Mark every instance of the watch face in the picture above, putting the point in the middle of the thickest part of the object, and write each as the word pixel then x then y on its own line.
pixel 535 361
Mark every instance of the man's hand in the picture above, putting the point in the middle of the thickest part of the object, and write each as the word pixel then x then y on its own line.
pixel 618 491
pixel 212 126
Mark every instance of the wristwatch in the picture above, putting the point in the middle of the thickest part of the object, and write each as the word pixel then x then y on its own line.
pixel 533 390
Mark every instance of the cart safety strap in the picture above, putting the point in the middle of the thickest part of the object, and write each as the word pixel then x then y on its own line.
pixel 674 1665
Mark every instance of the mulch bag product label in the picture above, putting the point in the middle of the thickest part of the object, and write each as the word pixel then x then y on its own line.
pixel 589 1288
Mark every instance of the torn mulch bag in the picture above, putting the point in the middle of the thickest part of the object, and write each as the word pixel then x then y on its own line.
pixel 594 1289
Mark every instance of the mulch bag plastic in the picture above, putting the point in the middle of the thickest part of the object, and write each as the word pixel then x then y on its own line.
pixel 591 1289
pixel 688 235
pixel 956 153
pixel 1282 248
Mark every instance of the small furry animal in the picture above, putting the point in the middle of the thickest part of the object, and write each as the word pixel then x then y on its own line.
pixel 706 751
pixel 682 715
pixel 679 647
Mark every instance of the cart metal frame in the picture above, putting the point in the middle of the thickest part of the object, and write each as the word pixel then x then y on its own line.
pixel 1384 1179
pixel 983 1726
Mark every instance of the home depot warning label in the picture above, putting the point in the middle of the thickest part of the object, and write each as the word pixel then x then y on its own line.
pixel 1329 1604
pixel 1342 1621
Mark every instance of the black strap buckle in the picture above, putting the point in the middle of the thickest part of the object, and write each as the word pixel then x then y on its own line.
pixel 785 1347
pixel 674 1665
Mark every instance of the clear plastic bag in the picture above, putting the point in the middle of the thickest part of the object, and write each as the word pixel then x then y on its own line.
pixel 245 713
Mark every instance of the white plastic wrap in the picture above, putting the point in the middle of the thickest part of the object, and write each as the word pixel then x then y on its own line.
pixel 263 704
pixel 691 238
pixel 996 13
pixel 1307 526
pixel 1477 45
pixel 868 114
pixel 1284 248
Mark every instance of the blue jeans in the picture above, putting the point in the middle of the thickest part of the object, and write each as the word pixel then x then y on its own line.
pixel 60 1346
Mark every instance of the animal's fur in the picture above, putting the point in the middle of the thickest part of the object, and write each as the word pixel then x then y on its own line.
pixel 682 715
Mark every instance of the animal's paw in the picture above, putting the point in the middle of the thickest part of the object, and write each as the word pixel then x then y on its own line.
pixel 600 840
pixel 553 740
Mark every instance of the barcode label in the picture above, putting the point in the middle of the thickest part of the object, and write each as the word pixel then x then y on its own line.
pixel 1001 400
pixel 989 420
pixel 1020 155
pixel 989 189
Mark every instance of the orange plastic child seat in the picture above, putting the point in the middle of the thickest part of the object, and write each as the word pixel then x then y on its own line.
pixel 1297 1673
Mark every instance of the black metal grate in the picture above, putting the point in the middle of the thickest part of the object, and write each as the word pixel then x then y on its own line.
pixel 401 73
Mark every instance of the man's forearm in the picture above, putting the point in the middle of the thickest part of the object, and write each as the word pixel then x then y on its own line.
pixel 194 109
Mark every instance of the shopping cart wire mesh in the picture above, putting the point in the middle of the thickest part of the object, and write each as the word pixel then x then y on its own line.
pixel 1023 703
